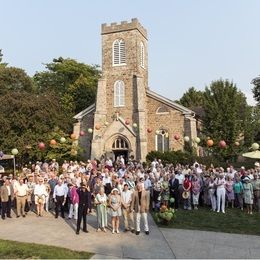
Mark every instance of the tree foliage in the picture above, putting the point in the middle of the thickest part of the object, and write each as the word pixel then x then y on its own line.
pixel 192 98
pixel 256 89
pixel 226 112
pixel 14 79
pixel 27 119
pixel 74 83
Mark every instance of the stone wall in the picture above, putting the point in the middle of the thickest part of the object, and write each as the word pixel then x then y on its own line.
pixel 173 122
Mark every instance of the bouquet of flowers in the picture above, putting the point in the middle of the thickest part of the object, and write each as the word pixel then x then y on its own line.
pixel 165 216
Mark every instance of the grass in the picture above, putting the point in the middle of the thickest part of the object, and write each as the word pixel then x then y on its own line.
pixel 14 250
pixel 234 221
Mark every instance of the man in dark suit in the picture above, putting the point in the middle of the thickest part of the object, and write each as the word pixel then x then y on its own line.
pixel 83 192
pixel 174 193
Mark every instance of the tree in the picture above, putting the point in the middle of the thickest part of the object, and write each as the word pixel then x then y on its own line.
pixel 192 98
pixel 74 83
pixel 1 59
pixel 14 79
pixel 226 112
pixel 27 119
pixel 256 89
pixel 79 95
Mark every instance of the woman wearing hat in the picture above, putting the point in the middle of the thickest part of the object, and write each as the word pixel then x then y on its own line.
pixel 115 205
pixel 248 194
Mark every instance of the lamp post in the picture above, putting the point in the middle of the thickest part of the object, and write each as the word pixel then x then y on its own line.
pixel 14 153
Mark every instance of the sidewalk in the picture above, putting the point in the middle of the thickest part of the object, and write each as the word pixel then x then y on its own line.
pixel 161 243
pixel 61 232
pixel 211 245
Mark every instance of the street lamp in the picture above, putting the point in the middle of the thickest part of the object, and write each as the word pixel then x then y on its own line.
pixel 14 153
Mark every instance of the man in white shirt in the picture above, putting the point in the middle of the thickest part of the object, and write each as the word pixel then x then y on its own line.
pixel 59 196
pixel 21 191
pixel 126 199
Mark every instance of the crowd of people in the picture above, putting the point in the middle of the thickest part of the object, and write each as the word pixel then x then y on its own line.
pixel 127 190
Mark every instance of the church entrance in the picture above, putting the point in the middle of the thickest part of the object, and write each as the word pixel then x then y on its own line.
pixel 120 147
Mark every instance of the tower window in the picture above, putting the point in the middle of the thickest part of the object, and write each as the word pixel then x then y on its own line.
pixel 119 54
pixel 119 94
pixel 142 55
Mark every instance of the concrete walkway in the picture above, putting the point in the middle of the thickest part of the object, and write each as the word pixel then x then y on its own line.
pixel 161 243
pixel 211 245
pixel 59 232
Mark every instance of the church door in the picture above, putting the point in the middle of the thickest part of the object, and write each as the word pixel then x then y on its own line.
pixel 120 147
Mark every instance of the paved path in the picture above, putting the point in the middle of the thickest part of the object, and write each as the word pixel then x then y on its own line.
pixel 59 232
pixel 211 245
pixel 161 243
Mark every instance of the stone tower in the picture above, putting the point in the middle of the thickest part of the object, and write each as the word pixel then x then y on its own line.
pixel 121 95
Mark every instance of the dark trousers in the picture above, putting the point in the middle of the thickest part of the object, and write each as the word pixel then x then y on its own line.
pixel 6 208
pixel 82 214
pixel 59 205
pixel 175 195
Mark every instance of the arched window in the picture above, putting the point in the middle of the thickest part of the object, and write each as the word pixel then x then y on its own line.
pixel 162 141
pixel 119 94
pixel 162 110
pixel 142 55
pixel 119 55
pixel 120 144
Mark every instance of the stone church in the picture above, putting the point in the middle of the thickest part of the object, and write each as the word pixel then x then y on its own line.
pixel 129 118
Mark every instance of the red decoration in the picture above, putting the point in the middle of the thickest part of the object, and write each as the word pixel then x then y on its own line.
pixel 81 133
pixel 53 142
pixel 98 126
pixel 177 137
pixel 127 121
pixel 73 136
pixel 41 146
pixel 149 130
pixel 222 144
pixel 210 143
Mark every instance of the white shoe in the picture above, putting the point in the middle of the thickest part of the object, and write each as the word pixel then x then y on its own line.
pixel 113 231
pixel 117 232
pixel 104 230
pixel 223 211
pixel 218 211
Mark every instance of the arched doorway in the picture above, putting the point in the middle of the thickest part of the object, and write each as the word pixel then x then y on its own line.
pixel 120 147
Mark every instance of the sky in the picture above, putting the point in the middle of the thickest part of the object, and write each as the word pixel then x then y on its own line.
pixel 191 42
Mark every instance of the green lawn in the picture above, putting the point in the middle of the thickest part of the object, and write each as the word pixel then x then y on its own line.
pixel 234 221
pixel 14 250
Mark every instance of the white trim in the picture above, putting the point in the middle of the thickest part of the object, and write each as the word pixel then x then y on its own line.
pixel 84 112
pixel 142 55
pixel 161 113
pixel 119 94
pixel 120 51
pixel 170 103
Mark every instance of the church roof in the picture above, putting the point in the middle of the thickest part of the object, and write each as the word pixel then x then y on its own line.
pixel 149 93
pixel 169 102
pixel 84 112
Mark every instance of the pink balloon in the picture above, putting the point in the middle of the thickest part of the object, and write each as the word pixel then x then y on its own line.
pixel 177 137
pixel 222 144
pixel 41 145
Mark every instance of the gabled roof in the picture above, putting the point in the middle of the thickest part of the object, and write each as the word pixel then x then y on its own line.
pixel 130 128
pixel 169 102
pixel 84 112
